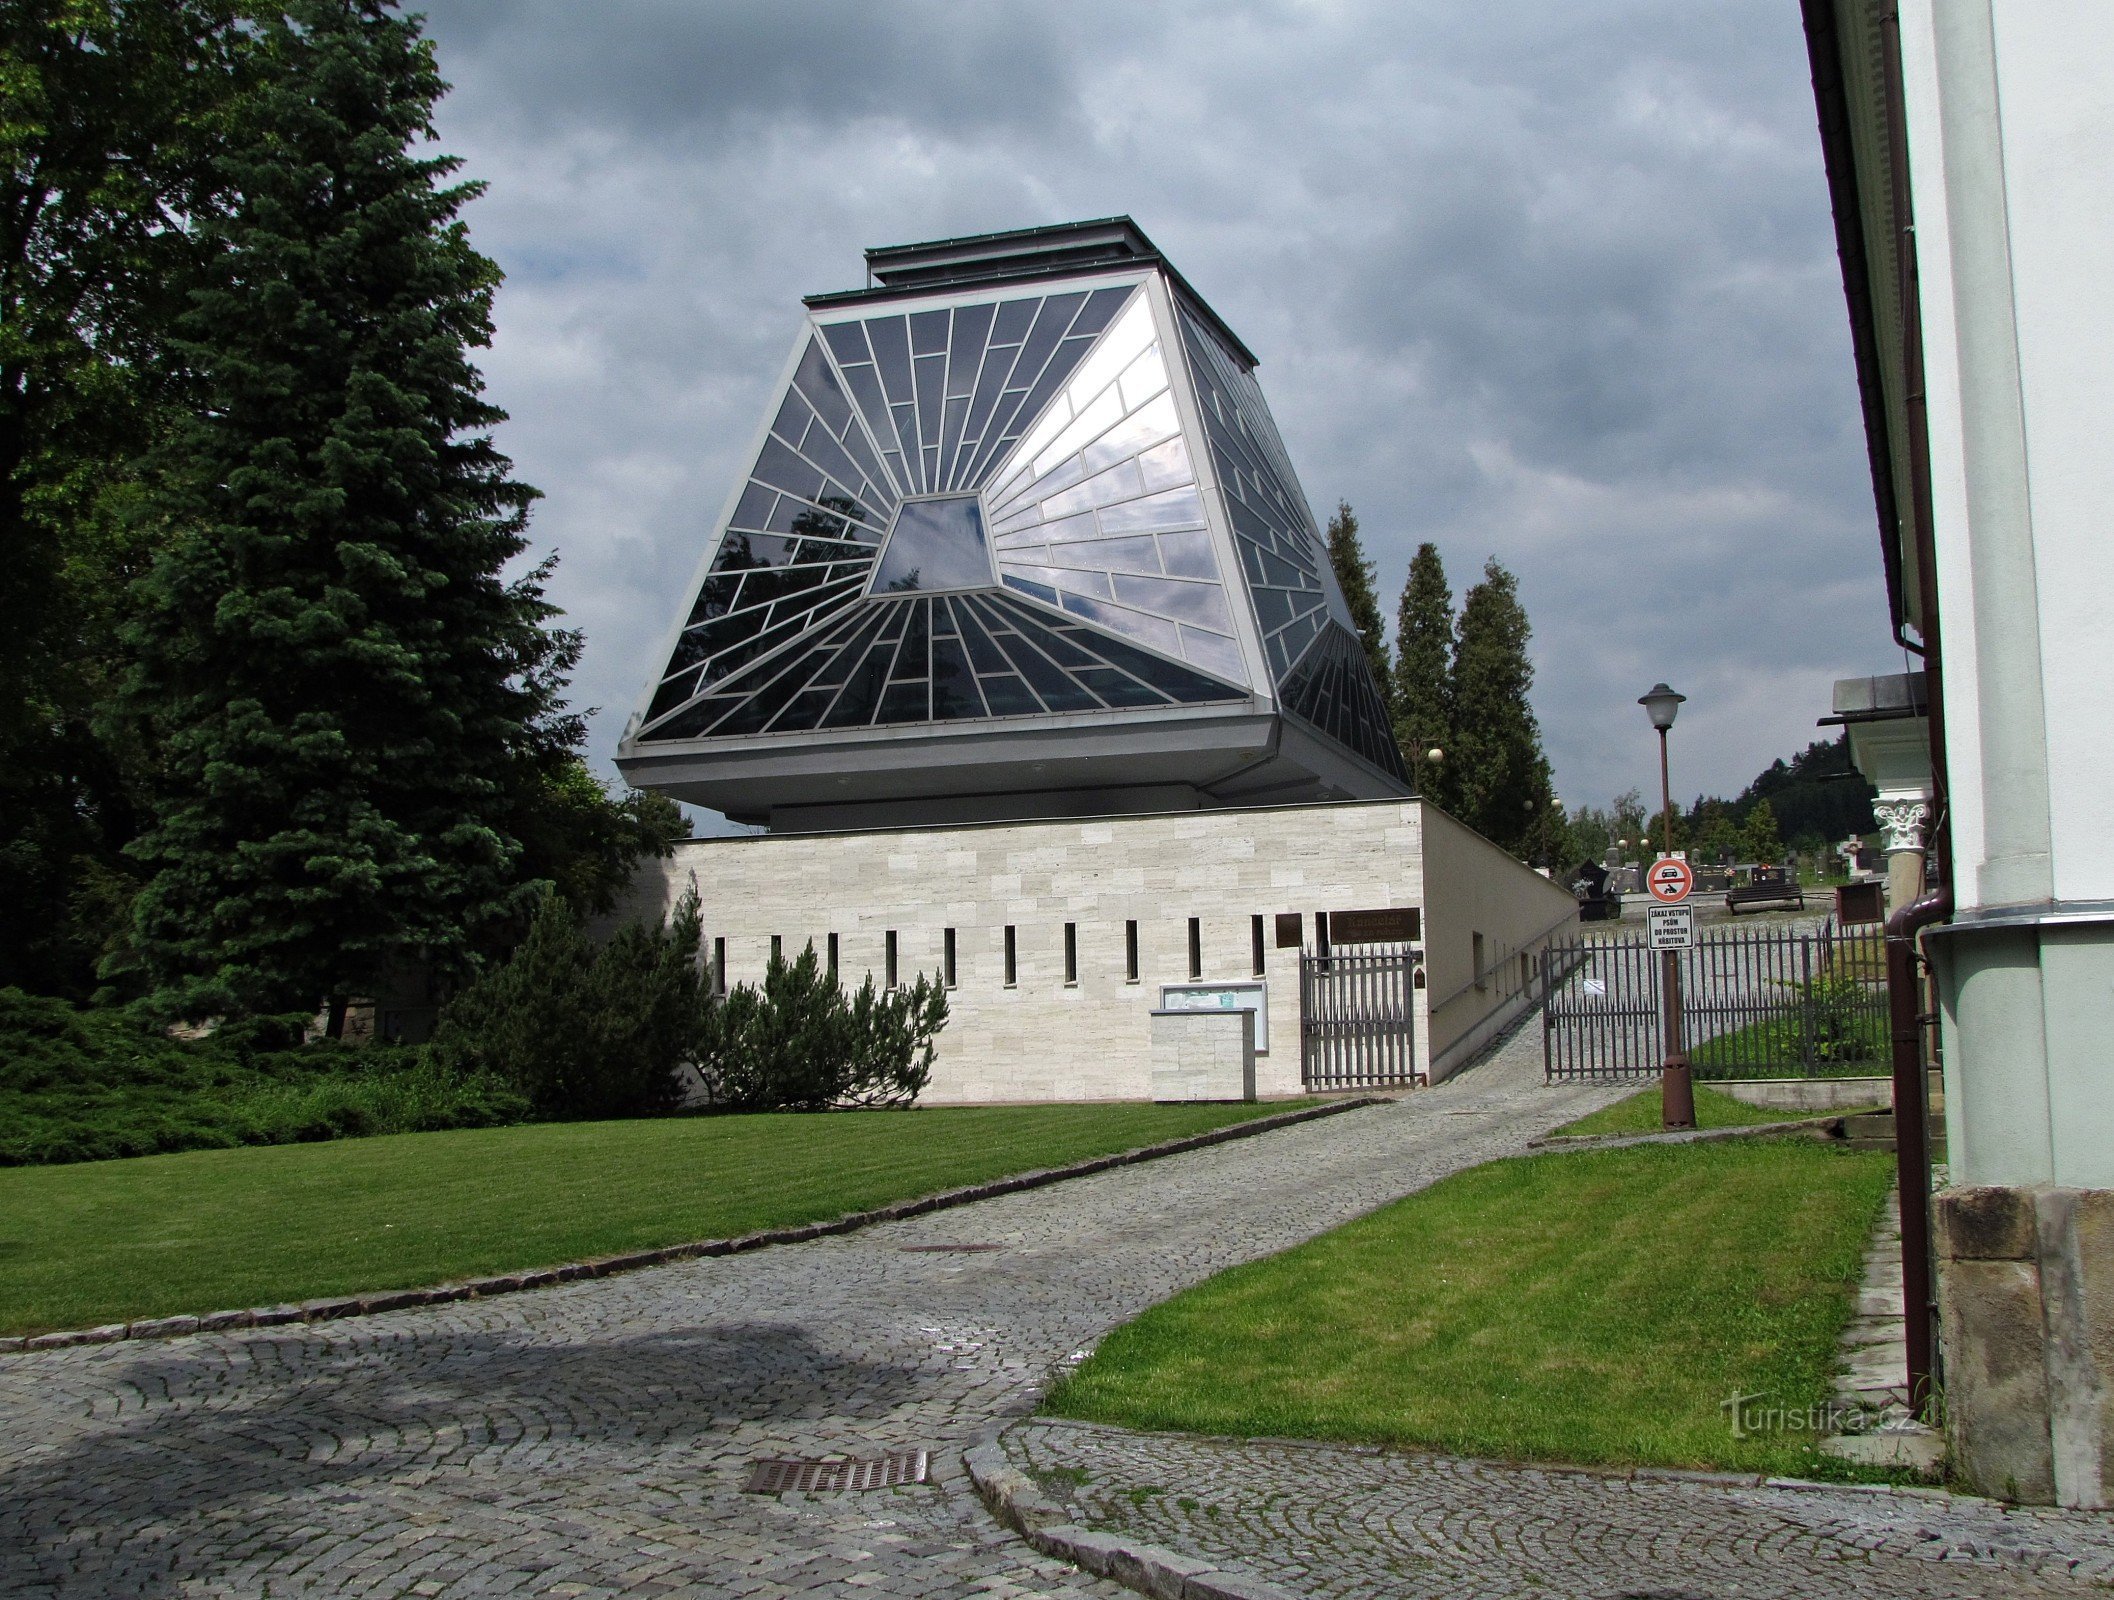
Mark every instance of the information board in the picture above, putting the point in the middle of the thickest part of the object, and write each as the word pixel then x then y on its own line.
pixel 1671 927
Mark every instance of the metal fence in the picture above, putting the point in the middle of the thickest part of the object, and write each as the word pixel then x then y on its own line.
pixel 1757 1003
pixel 1356 1024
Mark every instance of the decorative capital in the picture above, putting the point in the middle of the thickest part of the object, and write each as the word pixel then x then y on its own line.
pixel 1903 822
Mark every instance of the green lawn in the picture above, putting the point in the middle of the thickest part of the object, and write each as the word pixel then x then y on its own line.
pixel 1591 1307
pixel 1640 1114
pixel 106 1241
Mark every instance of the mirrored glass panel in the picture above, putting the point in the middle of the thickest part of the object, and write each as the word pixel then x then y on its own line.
pixel 1331 688
pixel 935 544
pixel 1287 565
pixel 1096 509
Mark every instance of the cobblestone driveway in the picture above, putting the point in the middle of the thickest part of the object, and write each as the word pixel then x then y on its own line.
pixel 593 1439
pixel 1336 1522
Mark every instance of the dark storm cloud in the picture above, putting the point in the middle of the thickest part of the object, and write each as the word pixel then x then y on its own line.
pixel 1551 282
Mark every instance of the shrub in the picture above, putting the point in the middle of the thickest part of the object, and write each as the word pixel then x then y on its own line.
pixel 800 1043
pixel 89 1085
pixel 581 1029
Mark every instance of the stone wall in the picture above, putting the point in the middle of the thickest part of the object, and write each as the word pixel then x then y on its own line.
pixel 2026 1294
pixel 1203 1055
pixel 1052 1035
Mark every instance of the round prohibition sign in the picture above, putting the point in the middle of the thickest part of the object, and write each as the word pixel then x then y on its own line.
pixel 1670 880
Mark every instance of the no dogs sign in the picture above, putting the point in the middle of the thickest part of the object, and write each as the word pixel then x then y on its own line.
pixel 1670 879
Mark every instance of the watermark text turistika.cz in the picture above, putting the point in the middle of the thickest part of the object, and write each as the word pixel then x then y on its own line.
pixel 1754 1414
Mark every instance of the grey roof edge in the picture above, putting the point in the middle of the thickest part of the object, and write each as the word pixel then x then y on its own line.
pixel 1004 270
pixel 1886 697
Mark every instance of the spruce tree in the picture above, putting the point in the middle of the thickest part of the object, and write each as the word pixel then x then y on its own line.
pixel 1498 775
pixel 1423 674
pixel 343 691
pixel 1355 574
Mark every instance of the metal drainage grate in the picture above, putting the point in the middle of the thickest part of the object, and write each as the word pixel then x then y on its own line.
pixel 937 1249
pixel 833 1477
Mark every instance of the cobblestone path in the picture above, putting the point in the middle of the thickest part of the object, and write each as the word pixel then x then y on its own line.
pixel 593 1439
pixel 1332 1521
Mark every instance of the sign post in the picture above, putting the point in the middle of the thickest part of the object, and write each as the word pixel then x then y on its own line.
pixel 1670 923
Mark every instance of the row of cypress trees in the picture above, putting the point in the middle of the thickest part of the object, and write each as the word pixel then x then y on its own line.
pixel 1458 683
pixel 280 722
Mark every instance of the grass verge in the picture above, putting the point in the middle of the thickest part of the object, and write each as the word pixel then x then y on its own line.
pixel 1598 1307
pixel 1639 1113
pixel 209 1230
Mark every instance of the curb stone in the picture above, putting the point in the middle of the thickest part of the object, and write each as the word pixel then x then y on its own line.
pixel 1812 1127
pixel 1013 1498
pixel 334 1308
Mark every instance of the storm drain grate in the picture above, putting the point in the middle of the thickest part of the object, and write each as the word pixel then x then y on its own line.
pixel 937 1249
pixel 835 1477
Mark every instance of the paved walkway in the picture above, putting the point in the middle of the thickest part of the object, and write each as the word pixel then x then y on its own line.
pixel 1332 1521
pixel 593 1439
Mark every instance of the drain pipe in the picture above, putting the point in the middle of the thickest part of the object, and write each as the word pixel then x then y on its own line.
pixel 1904 992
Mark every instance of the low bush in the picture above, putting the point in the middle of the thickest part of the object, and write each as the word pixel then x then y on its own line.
pixel 90 1085
pixel 800 1043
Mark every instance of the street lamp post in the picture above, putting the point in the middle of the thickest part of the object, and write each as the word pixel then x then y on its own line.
pixel 1677 1095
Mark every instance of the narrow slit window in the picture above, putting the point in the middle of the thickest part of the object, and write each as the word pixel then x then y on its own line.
pixel 777 947
pixel 1012 957
pixel 1196 948
pixel 889 957
pixel 1071 955
pixel 1255 943
pixel 719 966
pixel 833 955
pixel 1475 960
pixel 947 956
pixel 1130 951
pixel 1321 933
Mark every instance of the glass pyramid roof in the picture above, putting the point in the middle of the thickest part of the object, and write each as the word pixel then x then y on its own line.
pixel 993 509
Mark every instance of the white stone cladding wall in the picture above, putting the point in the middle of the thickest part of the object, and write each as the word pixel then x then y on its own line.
pixel 1041 1038
pixel 1203 1055
pixel 1471 889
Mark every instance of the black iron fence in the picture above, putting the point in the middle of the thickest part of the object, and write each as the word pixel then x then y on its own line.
pixel 1757 1003
pixel 1355 1018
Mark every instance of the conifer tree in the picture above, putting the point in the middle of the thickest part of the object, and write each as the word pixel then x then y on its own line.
pixel 1355 574
pixel 1497 773
pixel 342 689
pixel 1423 673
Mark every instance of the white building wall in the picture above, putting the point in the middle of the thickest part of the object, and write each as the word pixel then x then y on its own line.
pixel 2055 84
pixel 1473 903
pixel 2011 133
pixel 1043 1038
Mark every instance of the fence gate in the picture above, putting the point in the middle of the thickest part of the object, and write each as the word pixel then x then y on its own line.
pixel 1355 1021
pixel 1757 1003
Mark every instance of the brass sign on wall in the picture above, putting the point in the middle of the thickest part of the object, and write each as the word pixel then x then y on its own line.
pixel 1289 930
pixel 1400 925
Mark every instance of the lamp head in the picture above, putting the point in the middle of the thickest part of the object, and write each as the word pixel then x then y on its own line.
pixel 1661 704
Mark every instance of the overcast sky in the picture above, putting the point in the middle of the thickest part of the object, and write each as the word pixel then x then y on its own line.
pixel 1553 282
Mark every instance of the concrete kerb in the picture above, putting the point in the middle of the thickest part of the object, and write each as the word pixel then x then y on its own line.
pixel 337 1307
pixel 1826 1128
pixel 1014 1500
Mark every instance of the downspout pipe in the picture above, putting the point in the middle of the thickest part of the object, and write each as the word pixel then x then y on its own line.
pixel 1904 928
